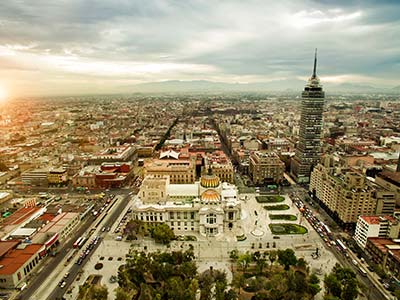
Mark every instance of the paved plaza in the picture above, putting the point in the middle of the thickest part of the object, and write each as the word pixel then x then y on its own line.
pixel 214 252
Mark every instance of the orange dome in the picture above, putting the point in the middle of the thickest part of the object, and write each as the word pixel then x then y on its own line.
pixel 209 181
pixel 210 196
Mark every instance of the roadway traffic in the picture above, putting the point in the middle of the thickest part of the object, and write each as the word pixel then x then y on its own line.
pixel 97 235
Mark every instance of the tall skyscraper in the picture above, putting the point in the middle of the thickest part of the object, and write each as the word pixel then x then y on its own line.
pixel 308 150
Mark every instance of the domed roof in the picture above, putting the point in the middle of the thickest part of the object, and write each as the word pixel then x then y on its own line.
pixel 209 180
pixel 210 196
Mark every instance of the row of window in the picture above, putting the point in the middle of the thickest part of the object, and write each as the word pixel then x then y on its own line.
pixel 185 215
pixel 183 223
pixel 185 228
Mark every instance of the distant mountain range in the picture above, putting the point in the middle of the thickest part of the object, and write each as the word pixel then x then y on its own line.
pixel 278 86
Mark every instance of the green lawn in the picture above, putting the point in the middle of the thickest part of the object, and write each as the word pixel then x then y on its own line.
pixel 283 217
pixel 287 229
pixel 269 199
pixel 277 207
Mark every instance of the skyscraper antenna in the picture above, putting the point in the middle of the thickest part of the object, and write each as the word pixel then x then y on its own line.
pixel 315 65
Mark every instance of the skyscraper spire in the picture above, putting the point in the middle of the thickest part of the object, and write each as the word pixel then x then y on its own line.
pixel 314 74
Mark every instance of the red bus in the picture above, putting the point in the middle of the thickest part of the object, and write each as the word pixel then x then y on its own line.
pixel 76 244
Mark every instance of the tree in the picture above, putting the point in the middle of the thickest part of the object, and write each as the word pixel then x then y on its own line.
pixel 231 295
pixel 261 263
pixel 93 292
pixel 244 260
pixel 238 281
pixel 287 258
pixel 162 233
pixel 350 290
pixel 233 255
pixel 120 294
pixel 272 256
pixel 332 285
pixel 313 284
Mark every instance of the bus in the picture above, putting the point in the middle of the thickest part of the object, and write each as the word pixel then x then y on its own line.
pixel 327 230
pixel 82 241
pixel 341 246
pixel 75 245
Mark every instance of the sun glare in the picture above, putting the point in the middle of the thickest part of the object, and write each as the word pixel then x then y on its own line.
pixel 3 94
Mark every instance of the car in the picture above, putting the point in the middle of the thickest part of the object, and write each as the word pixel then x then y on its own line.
pixel 63 285
pixel 66 275
pixel 61 282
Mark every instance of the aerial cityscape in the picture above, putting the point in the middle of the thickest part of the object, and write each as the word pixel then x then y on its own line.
pixel 199 150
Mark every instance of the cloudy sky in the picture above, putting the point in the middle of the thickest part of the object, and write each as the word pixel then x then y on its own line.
pixel 87 46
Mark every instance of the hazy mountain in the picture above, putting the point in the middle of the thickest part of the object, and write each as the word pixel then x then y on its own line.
pixel 207 86
pixel 278 85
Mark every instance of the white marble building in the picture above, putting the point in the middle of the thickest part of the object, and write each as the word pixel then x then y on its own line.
pixel 208 207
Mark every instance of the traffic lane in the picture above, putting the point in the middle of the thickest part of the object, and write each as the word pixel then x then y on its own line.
pixel 59 292
pixel 373 292
pixel 53 262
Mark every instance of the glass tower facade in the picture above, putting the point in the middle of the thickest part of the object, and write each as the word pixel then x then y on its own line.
pixel 308 150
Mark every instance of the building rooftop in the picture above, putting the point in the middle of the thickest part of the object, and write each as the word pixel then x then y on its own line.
pixel 6 246
pixel 382 243
pixel 20 215
pixel 16 258
pixel 374 220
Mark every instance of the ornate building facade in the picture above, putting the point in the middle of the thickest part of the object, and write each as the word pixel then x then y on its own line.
pixel 209 207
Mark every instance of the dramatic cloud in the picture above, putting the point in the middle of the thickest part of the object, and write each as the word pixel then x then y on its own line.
pixel 81 46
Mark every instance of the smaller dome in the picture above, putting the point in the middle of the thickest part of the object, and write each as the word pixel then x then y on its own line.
pixel 209 181
pixel 210 196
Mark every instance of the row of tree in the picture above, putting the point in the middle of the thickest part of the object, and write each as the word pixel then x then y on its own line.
pixel 169 276
pixel 161 233
pixel 273 275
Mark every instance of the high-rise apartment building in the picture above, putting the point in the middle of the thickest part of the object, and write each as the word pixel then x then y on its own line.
pixel 346 194
pixel 308 150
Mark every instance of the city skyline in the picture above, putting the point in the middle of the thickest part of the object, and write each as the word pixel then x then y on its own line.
pixel 79 47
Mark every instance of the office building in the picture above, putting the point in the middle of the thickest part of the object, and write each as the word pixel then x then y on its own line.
pixel 308 150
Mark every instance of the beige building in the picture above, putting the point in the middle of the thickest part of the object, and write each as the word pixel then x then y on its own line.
pixel 223 171
pixel 346 195
pixel 391 182
pixel 266 167
pixel 57 176
pixel 179 171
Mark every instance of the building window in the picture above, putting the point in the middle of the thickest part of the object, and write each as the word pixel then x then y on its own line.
pixel 192 215
pixel 171 215
pixel 185 215
pixel 211 219
pixel 230 215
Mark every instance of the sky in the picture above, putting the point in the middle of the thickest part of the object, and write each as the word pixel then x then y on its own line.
pixel 61 47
